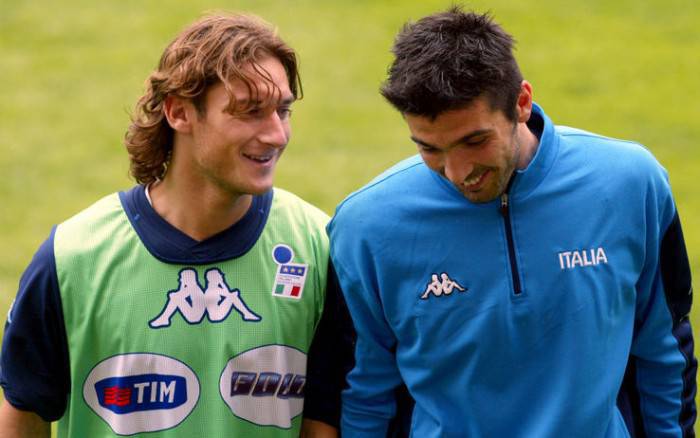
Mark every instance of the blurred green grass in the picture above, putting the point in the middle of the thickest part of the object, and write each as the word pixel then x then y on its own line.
pixel 71 72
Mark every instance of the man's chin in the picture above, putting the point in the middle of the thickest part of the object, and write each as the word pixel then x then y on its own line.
pixel 259 189
pixel 479 197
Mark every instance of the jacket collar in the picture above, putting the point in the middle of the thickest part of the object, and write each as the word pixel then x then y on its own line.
pixel 526 180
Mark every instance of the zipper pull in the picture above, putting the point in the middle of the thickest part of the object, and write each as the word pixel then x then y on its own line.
pixel 504 204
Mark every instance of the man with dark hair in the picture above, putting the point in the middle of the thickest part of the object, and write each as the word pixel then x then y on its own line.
pixel 186 306
pixel 521 279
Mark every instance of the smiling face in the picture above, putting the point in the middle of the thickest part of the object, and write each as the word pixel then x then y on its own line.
pixel 476 148
pixel 235 150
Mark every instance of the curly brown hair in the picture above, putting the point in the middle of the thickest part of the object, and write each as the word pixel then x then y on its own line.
pixel 213 49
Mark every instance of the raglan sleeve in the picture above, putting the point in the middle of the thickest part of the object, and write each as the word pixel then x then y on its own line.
pixel 662 366
pixel 369 403
pixel 34 370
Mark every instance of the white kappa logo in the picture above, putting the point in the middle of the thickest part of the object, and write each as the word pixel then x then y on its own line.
pixel 443 285
pixel 216 301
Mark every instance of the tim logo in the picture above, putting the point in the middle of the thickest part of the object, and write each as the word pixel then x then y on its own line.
pixel 216 300
pixel 141 392
pixel 144 392
pixel 265 385
pixel 443 285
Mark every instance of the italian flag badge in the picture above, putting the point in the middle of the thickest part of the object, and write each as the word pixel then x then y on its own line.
pixel 290 277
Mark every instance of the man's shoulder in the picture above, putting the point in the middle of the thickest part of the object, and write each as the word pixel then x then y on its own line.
pixel 401 179
pixel 601 143
pixel 99 210
pixel 609 154
pixel 89 228
pixel 292 205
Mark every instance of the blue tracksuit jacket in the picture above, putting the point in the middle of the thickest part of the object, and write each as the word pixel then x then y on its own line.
pixel 559 311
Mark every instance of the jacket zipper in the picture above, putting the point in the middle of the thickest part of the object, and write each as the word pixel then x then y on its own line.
pixel 517 288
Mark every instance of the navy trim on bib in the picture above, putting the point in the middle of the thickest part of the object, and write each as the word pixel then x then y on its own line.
pixel 170 245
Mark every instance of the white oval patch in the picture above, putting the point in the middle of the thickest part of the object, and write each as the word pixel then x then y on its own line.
pixel 141 392
pixel 265 385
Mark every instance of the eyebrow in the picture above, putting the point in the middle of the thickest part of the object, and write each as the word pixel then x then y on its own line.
pixel 288 101
pixel 465 139
pixel 256 103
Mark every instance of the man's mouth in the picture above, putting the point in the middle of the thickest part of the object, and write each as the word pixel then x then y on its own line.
pixel 262 159
pixel 475 181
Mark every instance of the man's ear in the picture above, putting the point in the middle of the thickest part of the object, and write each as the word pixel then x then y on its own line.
pixel 524 103
pixel 179 113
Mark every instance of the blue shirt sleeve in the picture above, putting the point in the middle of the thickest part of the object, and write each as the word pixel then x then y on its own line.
pixel 369 405
pixel 658 394
pixel 330 357
pixel 34 366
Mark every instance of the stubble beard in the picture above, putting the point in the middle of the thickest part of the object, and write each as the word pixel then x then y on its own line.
pixel 504 175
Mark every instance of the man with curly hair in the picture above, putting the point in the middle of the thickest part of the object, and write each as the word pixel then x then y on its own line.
pixel 522 279
pixel 187 305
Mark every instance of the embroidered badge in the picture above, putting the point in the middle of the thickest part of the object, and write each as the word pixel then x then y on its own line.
pixel 442 285
pixel 582 258
pixel 290 277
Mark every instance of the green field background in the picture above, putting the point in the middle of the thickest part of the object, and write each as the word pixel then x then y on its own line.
pixel 70 72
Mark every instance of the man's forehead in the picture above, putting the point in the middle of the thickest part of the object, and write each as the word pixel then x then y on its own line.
pixel 260 84
pixel 478 114
pixel 455 126
pixel 260 93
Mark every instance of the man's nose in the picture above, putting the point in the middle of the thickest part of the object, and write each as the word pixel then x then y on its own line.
pixel 275 130
pixel 458 166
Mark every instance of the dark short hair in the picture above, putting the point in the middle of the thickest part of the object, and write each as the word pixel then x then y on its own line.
pixel 446 60
pixel 214 49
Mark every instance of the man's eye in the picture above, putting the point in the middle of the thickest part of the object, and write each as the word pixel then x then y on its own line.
pixel 284 112
pixel 476 142
pixel 255 112
pixel 427 149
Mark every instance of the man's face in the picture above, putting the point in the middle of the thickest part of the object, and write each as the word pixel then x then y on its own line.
pixel 476 148
pixel 238 152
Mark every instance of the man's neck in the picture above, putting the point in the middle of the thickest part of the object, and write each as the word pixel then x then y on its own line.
pixel 199 212
pixel 528 145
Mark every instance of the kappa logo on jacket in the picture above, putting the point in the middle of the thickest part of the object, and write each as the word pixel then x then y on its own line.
pixel 216 300
pixel 439 286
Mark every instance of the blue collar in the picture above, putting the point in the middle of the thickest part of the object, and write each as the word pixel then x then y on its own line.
pixel 170 245
pixel 526 180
